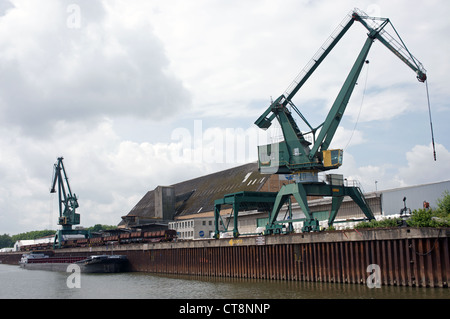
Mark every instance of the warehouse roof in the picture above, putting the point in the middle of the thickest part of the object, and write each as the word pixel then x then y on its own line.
pixel 198 195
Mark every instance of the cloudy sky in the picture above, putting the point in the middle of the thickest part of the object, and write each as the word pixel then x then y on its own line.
pixel 135 94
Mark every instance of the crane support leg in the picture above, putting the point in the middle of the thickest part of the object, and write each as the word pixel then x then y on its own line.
pixel 261 201
pixel 335 205
pixel 236 205
pixel 358 197
pixel 216 220
pixel 300 191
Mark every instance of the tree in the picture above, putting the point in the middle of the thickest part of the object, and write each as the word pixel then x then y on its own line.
pixel 99 227
pixel 443 209
pixel 6 241
pixel 32 235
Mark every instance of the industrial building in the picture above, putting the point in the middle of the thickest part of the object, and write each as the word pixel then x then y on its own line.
pixel 27 242
pixel 195 199
pixel 188 207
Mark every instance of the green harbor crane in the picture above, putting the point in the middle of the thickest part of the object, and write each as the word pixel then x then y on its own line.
pixel 305 158
pixel 68 203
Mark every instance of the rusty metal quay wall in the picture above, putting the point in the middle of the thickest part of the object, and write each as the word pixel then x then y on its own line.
pixel 406 256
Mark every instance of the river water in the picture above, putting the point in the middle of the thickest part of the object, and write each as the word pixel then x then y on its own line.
pixel 17 283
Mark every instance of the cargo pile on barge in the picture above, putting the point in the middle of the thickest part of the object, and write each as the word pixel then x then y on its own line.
pixel 91 264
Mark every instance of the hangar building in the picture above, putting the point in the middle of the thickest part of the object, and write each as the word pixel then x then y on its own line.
pixel 188 206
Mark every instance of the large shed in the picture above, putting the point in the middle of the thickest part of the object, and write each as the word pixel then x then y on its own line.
pixel 415 197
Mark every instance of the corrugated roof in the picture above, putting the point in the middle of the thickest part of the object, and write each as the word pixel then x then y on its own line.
pixel 145 207
pixel 198 195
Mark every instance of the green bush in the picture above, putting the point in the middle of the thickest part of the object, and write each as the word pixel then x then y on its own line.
pixel 443 209
pixel 389 222
pixel 439 217
pixel 427 218
pixel 421 218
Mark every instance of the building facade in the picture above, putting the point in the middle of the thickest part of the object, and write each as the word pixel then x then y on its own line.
pixel 413 197
pixel 194 228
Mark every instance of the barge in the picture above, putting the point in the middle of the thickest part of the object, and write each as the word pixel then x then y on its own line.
pixel 91 264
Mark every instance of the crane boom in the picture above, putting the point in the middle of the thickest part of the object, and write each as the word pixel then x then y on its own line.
pixel 263 121
pixel 320 55
pixel 295 153
pixel 397 47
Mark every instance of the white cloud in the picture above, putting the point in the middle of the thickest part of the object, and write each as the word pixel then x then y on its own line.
pixel 109 175
pixel 421 167
pixel 382 105
pixel 153 66
pixel 106 67
pixel 347 138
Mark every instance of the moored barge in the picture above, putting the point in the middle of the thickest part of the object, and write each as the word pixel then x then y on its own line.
pixel 91 264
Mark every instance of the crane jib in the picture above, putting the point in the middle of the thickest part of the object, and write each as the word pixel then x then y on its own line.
pixel 293 137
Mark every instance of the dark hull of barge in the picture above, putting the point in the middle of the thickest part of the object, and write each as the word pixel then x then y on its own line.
pixel 101 264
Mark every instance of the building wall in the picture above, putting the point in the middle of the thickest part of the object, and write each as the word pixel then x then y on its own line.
pixel 164 202
pixel 27 242
pixel 383 204
pixel 252 221
pixel 392 200
pixel 274 182
pixel 194 228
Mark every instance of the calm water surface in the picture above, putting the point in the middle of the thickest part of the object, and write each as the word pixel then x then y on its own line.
pixel 17 283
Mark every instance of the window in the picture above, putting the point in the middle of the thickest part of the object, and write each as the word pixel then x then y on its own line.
pixel 336 157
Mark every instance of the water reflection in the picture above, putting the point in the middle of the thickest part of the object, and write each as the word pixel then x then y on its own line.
pixel 277 289
pixel 20 283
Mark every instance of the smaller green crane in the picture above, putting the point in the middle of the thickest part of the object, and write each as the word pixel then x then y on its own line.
pixel 68 203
